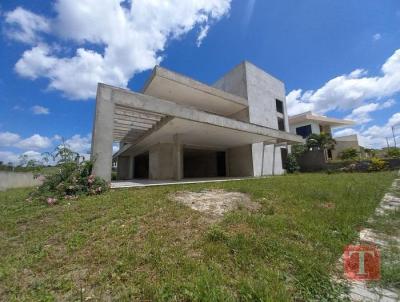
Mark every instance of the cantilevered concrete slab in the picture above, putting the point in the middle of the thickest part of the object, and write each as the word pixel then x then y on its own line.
pixel 180 89
pixel 320 119
pixel 141 120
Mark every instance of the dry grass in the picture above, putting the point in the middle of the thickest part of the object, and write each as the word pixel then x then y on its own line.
pixel 137 244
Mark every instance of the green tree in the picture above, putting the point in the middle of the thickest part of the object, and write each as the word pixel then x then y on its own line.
pixel 393 152
pixel 349 154
pixel 322 141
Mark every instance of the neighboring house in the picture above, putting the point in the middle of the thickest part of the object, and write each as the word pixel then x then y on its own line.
pixel 346 142
pixel 308 123
pixel 180 128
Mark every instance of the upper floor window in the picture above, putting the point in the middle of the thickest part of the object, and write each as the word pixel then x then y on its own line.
pixel 279 106
pixel 304 131
pixel 281 124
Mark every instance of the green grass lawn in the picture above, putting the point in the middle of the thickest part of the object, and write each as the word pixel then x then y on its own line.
pixel 136 244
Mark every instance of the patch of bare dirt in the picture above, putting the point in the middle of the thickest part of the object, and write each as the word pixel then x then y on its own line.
pixel 215 202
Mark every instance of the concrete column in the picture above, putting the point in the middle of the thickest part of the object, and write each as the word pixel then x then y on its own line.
pixel 178 158
pixel 102 134
pixel 131 168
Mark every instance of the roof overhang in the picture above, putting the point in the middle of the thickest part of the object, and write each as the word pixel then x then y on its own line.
pixel 320 119
pixel 140 120
pixel 172 86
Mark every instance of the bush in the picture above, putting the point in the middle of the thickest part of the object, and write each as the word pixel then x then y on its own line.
pixel 299 149
pixel 393 152
pixel 377 164
pixel 349 154
pixel 291 164
pixel 69 182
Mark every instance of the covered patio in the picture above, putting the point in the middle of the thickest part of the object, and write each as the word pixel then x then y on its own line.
pixel 157 137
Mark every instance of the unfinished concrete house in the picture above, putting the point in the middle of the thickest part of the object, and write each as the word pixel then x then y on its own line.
pixel 180 128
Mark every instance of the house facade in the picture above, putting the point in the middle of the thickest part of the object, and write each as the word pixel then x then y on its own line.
pixel 180 128
pixel 308 123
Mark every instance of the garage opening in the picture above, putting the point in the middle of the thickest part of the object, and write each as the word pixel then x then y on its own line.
pixel 203 163
pixel 141 168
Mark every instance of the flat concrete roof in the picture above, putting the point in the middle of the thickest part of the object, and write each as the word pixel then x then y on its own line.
pixel 347 138
pixel 321 119
pixel 169 85
pixel 162 119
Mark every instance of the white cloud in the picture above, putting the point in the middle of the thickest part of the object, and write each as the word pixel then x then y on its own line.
pixel 374 136
pixel 33 155
pixel 132 37
pixel 7 156
pixel 24 26
pixel 248 13
pixel 203 33
pixel 345 132
pixel 39 110
pixel 8 139
pixel 80 144
pixel 377 37
pixel 295 105
pixel 34 142
pixel 361 115
pixel 349 91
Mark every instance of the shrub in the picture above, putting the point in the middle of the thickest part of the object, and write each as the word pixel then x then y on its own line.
pixel 299 149
pixel 349 154
pixel 71 181
pixel 291 164
pixel 377 164
pixel 393 152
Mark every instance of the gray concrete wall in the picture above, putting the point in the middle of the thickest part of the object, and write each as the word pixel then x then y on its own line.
pixel 242 115
pixel 262 92
pixel 200 163
pixel 123 168
pixel 239 161
pixel 343 143
pixel 10 180
pixel 311 161
pixel 161 161
pixel 234 81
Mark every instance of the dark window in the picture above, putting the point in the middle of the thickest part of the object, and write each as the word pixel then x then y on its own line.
pixel 304 131
pixel 284 154
pixel 279 106
pixel 281 124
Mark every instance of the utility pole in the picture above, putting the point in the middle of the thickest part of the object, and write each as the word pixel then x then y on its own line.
pixel 387 142
pixel 394 137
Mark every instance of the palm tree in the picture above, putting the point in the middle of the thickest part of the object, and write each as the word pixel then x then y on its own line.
pixel 322 141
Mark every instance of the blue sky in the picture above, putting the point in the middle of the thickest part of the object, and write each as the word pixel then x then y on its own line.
pixel 340 58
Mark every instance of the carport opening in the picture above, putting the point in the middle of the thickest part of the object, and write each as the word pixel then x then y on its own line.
pixel 203 163
pixel 142 166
